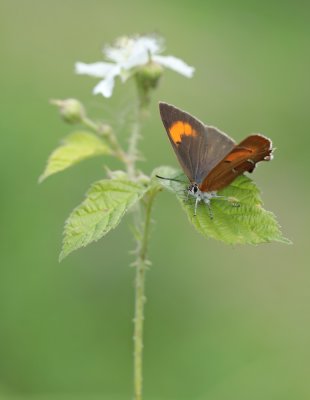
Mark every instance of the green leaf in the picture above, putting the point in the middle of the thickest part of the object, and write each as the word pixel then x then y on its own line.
pixel 75 147
pixel 239 221
pixel 106 203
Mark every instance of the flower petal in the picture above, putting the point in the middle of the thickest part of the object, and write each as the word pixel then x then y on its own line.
pixel 142 49
pixel 130 52
pixel 176 64
pixel 98 69
pixel 150 44
pixel 105 87
pixel 136 59
pixel 116 54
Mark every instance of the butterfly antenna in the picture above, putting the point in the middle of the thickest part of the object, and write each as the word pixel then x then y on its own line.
pixel 169 179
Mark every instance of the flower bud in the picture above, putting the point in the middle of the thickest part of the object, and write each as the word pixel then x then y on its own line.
pixel 71 110
pixel 148 75
pixel 147 78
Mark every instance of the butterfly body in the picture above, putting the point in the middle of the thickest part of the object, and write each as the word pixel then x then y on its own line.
pixel 199 195
pixel 210 158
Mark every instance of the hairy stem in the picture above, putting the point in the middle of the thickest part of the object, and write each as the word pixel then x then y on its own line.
pixel 107 132
pixel 142 222
pixel 133 144
pixel 141 266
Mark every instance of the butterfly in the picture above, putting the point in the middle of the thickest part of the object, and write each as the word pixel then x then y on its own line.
pixel 210 158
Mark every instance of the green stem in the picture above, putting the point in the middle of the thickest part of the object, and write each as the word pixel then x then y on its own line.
pixel 107 133
pixel 90 124
pixel 141 266
pixel 133 144
pixel 142 225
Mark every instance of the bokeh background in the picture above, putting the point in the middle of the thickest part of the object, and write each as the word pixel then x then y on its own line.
pixel 222 323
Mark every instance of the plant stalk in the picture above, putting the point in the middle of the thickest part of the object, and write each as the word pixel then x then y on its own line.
pixel 142 222
pixel 133 144
pixel 141 266
pixel 107 133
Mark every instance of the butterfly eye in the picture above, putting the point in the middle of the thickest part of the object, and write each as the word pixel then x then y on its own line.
pixel 195 189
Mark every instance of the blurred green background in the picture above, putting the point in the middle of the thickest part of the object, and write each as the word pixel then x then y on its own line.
pixel 222 323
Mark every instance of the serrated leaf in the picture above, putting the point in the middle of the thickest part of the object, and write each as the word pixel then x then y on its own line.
pixel 75 147
pixel 247 223
pixel 106 203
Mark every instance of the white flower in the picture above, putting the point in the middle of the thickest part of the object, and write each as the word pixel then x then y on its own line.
pixel 127 54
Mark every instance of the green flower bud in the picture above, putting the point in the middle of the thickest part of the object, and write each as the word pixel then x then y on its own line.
pixel 71 110
pixel 149 74
pixel 147 78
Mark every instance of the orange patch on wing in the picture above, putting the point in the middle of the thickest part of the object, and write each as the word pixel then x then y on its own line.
pixel 180 128
pixel 238 154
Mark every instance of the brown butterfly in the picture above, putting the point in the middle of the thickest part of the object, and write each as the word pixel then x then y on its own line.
pixel 210 158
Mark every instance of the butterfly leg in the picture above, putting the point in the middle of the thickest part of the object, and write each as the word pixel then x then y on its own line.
pixel 196 205
pixel 209 209
pixel 187 194
pixel 234 202
pixel 208 203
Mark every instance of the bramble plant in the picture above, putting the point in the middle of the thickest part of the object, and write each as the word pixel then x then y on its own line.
pixel 109 199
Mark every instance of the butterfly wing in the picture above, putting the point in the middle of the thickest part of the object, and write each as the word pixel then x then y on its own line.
pixel 242 158
pixel 198 147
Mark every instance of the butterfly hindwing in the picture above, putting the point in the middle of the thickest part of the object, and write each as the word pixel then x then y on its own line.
pixel 242 158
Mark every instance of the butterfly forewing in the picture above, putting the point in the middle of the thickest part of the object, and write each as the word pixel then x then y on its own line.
pixel 199 148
